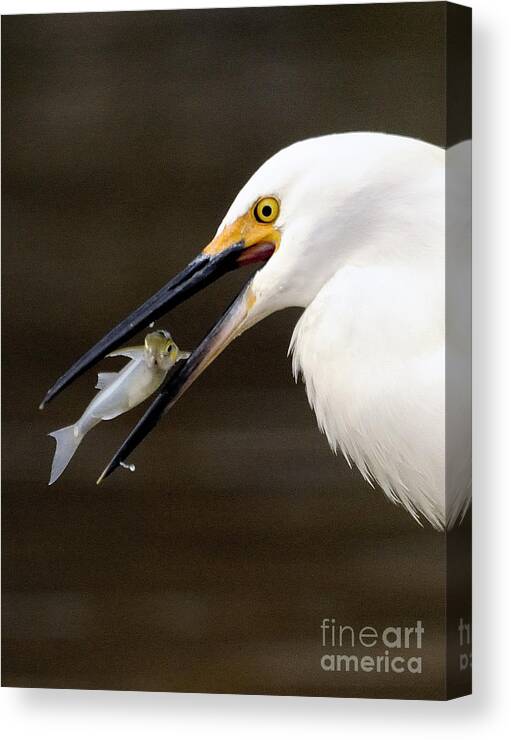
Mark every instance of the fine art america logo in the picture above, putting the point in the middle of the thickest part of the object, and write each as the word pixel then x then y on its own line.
pixel 393 649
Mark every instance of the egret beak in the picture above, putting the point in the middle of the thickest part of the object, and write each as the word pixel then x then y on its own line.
pixel 202 271
pixel 233 322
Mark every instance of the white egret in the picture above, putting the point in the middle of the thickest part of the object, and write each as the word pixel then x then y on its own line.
pixel 351 228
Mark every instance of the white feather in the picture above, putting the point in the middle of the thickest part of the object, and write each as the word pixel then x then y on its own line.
pixel 363 226
pixel 378 394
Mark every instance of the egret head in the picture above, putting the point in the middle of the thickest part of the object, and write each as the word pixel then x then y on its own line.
pixel 307 210
pixel 290 215
pixel 315 205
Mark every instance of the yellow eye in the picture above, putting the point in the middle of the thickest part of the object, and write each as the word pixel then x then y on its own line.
pixel 168 348
pixel 266 210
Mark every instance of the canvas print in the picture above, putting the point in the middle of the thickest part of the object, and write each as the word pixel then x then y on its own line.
pixel 287 513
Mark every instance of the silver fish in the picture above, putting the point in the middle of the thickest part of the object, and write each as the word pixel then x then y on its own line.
pixel 119 392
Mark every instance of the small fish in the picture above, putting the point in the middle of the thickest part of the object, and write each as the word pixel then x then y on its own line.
pixel 119 392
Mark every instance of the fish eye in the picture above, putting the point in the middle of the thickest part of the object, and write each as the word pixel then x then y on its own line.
pixel 266 210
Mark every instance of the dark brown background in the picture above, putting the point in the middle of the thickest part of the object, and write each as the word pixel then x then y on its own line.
pixel 125 138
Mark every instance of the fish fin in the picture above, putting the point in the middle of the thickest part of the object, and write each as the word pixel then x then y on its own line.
pixel 67 444
pixel 133 353
pixel 104 380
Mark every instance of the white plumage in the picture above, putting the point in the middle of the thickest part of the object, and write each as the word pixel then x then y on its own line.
pixel 351 228
pixel 362 223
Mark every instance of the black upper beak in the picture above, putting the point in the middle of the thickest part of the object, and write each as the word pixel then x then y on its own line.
pixel 202 271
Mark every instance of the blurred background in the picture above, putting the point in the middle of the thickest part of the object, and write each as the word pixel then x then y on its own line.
pixel 125 138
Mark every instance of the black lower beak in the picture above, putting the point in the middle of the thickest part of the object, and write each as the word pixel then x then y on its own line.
pixel 230 325
pixel 198 274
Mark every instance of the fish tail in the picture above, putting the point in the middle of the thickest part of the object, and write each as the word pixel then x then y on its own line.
pixel 67 444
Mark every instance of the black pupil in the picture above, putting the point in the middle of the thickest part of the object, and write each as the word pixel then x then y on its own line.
pixel 267 211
